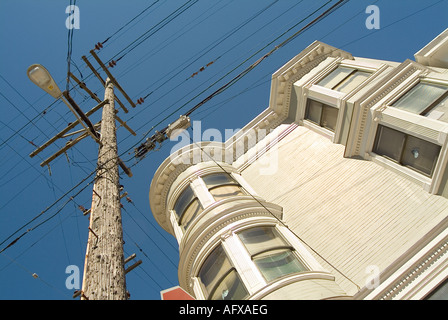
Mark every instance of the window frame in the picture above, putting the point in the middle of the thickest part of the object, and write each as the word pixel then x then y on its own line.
pixel 431 105
pixel 403 149
pixel 208 294
pixel 286 247
pixel 354 70
pixel 181 215
pixel 323 106
pixel 231 182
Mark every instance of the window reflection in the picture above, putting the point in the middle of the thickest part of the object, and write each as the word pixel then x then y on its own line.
pixel 423 98
pixel 407 150
pixel 187 207
pixel 273 256
pixel 220 279
pixel 344 79
pixel 222 185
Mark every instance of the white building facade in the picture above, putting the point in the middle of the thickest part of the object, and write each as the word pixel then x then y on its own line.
pixel 338 190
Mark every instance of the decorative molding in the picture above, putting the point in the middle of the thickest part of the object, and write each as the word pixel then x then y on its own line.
pixel 406 70
pixel 416 271
pixel 284 79
pixel 290 279
pixel 412 273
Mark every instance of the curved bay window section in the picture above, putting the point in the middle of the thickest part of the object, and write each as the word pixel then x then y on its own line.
pixel 219 278
pixel 203 192
pixel 222 185
pixel 273 255
pixel 187 207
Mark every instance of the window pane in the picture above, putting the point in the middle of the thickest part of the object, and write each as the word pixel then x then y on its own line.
pixel 261 238
pixel 274 264
pixel 329 118
pixel 216 179
pixel 389 143
pixel 420 155
pixel 191 212
pixel 335 77
pixel 440 111
pixel 183 201
pixel 230 288
pixel 419 97
pixel 214 268
pixel 352 81
pixel 227 191
pixel 314 111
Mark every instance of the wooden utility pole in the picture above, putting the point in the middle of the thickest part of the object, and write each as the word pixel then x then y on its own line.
pixel 104 271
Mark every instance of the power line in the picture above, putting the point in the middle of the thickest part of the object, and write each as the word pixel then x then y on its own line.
pixel 140 151
pixel 34 275
pixel 130 21
pixel 328 11
pixel 153 30
pixel 44 211
pixel 70 46
pixel 211 46
pixel 171 39
pixel 140 227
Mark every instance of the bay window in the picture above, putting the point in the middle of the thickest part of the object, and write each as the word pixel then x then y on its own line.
pixel 220 279
pixel 272 255
pixel 222 185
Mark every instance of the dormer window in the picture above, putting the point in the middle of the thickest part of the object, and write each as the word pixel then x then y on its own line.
pixel 426 99
pixel 344 79
pixel 407 150
pixel 321 114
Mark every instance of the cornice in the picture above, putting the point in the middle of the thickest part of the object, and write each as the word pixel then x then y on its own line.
pixel 418 266
pixel 295 69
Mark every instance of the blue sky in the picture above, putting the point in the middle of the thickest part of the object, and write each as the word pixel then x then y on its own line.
pixel 227 32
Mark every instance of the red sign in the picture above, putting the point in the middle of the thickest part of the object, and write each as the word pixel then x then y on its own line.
pixel 175 293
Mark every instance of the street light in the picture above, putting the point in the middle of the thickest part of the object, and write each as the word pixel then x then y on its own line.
pixel 42 78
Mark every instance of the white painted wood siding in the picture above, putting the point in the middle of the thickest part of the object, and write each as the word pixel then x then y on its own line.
pixel 354 213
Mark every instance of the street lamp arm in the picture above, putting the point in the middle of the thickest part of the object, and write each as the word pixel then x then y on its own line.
pixel 83 119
